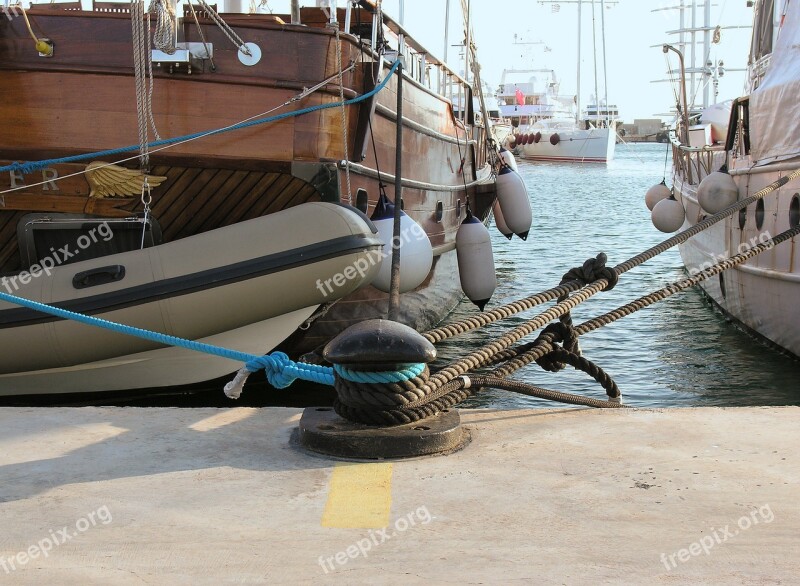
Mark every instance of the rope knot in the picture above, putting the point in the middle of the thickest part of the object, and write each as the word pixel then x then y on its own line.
pixel 592 270
pixel 277 367
pixel 554 334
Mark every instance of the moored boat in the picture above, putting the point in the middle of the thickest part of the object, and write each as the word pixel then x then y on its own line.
pixel 256 133
pixel 760 145
pixel 550 126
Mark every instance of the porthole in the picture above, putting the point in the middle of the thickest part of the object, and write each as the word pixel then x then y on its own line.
pixel 439 211
pixel 794 211
pixel 362 200
pixel 742 218
pixel 759 214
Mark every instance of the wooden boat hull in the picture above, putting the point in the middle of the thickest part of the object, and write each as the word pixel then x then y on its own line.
pixel 224 179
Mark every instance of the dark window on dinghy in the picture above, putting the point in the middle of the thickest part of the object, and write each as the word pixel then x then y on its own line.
pixel 81 237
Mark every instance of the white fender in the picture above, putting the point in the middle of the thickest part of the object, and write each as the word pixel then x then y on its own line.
pixel 475 261
pixel 668 215
pixel 514 202
pixel 716 192
pixel 508 157
pixel 416 252
pixel 500 222
pixel 655 194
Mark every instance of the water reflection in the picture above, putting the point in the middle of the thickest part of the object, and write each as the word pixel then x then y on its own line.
pixel 679 352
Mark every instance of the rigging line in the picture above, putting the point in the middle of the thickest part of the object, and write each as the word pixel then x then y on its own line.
pixel 139 56
pixel 344 116
pixel 151 84
pixel 202 36
pixel 673 83
pixel 300 96
pixel 226 29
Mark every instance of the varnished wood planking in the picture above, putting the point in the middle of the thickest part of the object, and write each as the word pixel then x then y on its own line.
pixel 202 203
pixel 276 198
pixel 230 200
pixel 9 251
pixel 213 211
pixel 240 210
pixel 168 217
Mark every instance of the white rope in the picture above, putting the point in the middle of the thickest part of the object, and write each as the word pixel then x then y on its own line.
pixel 164 37
pixel 150 88
pixel 227 30
pixel 344 117
pixel 143 67
pixel 138 40
pixel 202 37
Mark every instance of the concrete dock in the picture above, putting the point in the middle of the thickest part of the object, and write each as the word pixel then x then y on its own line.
pixel 560 496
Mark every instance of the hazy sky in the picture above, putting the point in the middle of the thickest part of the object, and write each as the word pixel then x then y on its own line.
pixel 631 28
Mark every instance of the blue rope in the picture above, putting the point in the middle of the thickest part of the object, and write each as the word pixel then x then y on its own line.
pixel 280 370
pixel 383 376
pixel 31 166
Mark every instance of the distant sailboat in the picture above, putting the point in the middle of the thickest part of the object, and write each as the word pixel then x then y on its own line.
pixel 551 126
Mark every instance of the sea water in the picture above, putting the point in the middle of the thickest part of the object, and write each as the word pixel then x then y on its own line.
pixel 679 352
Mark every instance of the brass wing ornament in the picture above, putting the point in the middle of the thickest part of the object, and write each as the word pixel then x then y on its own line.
pixel 108 180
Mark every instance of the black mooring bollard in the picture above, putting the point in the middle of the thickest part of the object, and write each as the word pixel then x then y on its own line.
pixel 373 346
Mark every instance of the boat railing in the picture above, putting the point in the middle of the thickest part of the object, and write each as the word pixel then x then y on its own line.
pixel 432 73
pixel 694 163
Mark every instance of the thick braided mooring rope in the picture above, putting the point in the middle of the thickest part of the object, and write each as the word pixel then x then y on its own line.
pixel 499 313
pixel 427 395
pixel 517 358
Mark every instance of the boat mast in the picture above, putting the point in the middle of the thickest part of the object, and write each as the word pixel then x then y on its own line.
pixel 693 84
pixel 469 43
pixel 446 28
pixel 706 48
pixel 594 54
pixel 578 94
pixel 605 67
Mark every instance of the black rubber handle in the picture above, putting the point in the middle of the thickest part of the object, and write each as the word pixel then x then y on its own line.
pixel 98 276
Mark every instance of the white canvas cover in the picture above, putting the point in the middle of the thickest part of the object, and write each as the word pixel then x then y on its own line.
pixel 775 105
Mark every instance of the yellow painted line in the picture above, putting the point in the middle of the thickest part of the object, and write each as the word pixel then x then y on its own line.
pixel 359 496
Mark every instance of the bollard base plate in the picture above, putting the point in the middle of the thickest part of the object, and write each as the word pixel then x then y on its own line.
pixel 321 430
